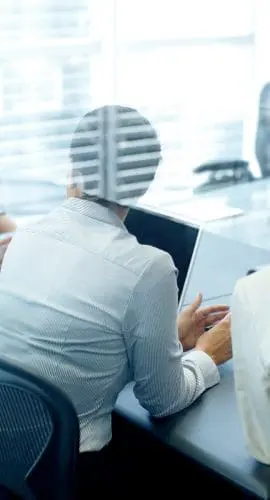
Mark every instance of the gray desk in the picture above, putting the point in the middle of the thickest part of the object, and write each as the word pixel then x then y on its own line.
pixel 209 432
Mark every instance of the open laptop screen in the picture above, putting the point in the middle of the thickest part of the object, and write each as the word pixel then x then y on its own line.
pixel 174 237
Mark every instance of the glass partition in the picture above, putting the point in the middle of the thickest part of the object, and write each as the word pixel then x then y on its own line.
pixel 195 69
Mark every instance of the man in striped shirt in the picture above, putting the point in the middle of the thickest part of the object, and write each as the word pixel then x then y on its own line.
pixel 90 309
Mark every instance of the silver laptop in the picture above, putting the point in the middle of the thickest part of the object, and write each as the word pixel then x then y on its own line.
pixel 217 263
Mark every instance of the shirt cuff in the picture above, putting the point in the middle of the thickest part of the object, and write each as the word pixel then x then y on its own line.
pixel 207 366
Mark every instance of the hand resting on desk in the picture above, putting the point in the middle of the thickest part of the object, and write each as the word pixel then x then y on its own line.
pixel 217 342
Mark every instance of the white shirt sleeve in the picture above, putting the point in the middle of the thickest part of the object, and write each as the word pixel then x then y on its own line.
pixel 251 353
pixel 166 379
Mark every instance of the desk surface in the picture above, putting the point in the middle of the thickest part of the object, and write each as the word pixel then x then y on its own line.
pixel 209 431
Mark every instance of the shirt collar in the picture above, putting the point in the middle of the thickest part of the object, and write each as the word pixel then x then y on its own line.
pixel 94 211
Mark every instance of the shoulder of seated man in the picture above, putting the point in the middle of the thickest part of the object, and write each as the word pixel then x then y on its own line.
pixel 144 257
pixel 253 283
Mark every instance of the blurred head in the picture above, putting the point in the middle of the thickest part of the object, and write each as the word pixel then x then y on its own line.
pixel 114 152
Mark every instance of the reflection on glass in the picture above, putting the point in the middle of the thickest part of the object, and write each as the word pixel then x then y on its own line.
pixel 196 104
pixel 176 19
pixel 49 65
pixel 187 65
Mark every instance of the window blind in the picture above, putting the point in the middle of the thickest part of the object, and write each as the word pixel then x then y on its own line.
pixel 62 59
pixel 49 52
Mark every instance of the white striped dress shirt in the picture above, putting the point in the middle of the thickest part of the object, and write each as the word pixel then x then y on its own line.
pixel 90 309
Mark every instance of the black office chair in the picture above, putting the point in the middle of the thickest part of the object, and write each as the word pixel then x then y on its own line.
pixel 39 437
pixel 222 173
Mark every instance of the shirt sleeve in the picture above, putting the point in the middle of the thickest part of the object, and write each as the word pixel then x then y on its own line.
pixel 166 379
pixel 251 355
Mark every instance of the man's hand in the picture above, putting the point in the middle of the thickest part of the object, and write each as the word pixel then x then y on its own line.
pixel 3 247
pixel 217 342
pixel 194 320
pixel 7 225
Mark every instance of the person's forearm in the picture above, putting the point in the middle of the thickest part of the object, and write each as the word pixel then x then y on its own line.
pixel 204 370
pixel 198 374
pixel 7 225
pixel 168 381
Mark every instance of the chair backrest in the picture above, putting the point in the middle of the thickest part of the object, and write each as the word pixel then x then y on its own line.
pixel 220 166
pixel 7 494
pixel 39 436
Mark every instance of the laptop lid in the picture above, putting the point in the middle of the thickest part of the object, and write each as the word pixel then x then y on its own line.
pixel 219 263
pixel 176 237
